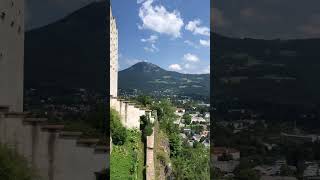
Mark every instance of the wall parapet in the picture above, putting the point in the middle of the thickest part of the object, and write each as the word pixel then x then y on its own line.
pixel 54 153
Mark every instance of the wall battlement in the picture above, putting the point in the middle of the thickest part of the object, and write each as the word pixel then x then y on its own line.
pixel 55 154
pixel 130 113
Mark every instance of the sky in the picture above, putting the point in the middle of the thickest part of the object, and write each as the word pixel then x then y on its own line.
pixel 173 34
pixel 267 19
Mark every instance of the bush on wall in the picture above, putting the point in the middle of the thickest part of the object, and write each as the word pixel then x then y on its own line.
pixel 146 126
pixel 118 131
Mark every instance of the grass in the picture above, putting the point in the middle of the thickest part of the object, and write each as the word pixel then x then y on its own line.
pixel 123 163
pixel 13 166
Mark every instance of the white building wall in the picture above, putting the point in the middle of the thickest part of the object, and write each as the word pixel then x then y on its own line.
pixel 11 53
pixel 113 56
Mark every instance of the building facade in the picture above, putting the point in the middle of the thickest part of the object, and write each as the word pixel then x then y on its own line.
pixel 11 54
pixel 113 56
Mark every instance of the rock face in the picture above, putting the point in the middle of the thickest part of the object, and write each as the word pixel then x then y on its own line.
pixel 11 53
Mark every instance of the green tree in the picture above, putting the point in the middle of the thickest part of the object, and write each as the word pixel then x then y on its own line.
pixel 175 144
pixel 144 100
pixel 187 119
pixel 193 163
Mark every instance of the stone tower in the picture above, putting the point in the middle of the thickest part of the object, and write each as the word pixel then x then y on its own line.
pixel 11 54
pixel 113 56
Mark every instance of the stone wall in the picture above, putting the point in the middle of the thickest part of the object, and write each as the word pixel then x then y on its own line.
pixel 54 153
pixel 11 53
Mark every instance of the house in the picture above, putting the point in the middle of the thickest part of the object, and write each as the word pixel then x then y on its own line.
pixel 220 151
pixel 197 119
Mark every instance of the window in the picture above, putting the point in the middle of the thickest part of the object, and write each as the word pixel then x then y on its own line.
pixel 12 23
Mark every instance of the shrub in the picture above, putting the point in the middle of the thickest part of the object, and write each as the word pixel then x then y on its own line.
pixel 13 166
pixel 146 126
pixel 118 132
pixel 148 130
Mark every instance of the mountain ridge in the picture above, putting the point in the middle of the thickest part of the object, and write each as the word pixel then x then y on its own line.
pixel 146 64
pixel 152 79
pixel 62 54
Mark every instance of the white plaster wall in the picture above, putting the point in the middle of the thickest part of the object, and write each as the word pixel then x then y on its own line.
pixel 113 56
pixel 77 162
pixel 11 54
pixel 122 111
pixel 55 159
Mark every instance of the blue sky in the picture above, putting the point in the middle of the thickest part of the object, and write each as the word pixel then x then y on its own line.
pixel 173 34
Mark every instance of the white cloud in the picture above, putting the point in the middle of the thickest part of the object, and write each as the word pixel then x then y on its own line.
pixel 195 28
pixel 153 48
pixel 206 70
pixel 191 57
pixel 190 43
pixel 140 1
pixel 158 19
pixel 205 43
pixel 151 39
pixel 187 66
pixel 175 67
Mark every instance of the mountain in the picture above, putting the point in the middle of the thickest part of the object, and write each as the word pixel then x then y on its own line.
pixel 150 78
pixel 257 70
pixel 70 53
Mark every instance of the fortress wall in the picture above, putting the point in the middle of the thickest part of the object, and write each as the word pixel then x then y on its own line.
pixel 129 112
pixel 150 169
pixel 79 162
pixel 55 157
pixel 122 111
pixel 11 53
pixel 133 118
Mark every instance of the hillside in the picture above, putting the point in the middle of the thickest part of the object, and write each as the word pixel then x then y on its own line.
pixel 281 71
pixel 69 53
pixel 150 78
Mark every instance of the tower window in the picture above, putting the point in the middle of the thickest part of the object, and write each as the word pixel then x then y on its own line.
pixel 19 29
pixel 12 23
